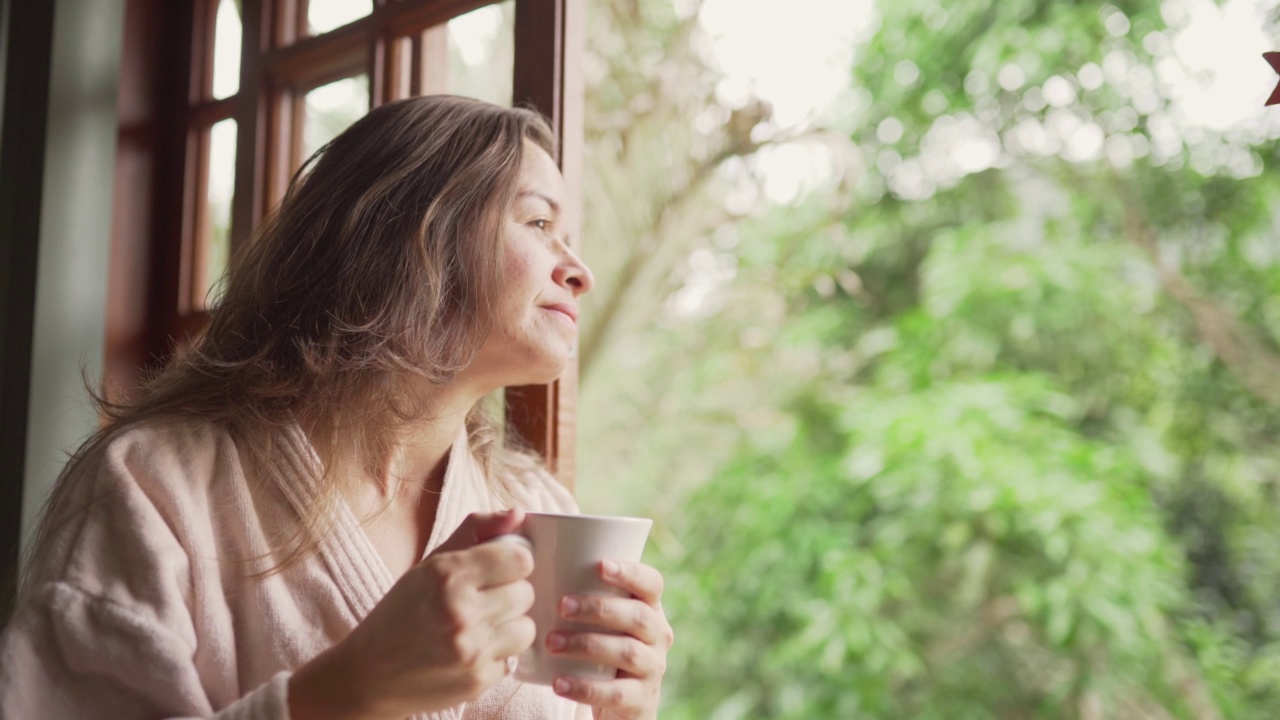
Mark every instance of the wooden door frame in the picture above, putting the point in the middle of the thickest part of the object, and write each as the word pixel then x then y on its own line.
pixel 550 36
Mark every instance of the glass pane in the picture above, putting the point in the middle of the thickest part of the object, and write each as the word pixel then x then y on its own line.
pixel 325 15
pixel 226 49
pixel 221 184
pixel 331 108
pixel 482 53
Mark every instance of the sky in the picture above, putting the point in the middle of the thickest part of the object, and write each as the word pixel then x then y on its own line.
pixel 815 37
pixel 1224 45
pixel 1215 68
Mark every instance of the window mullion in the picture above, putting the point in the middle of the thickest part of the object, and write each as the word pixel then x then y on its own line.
pixel 433 60
pixel 284 26
pixel 208 113
pixel 248 202
pixel 406 17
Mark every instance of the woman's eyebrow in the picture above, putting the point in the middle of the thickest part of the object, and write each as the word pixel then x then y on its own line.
pixel 555 206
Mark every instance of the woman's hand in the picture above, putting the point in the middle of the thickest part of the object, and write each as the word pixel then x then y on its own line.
pixel 440 636
pixel 639 651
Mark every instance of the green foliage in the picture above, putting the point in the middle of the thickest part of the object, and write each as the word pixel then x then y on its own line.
pixel 980 439
pixel 919 550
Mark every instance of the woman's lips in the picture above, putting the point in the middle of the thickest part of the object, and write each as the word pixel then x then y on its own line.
pixel 568 312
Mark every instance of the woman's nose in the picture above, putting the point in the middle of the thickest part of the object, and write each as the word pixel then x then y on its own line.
pixel 574 274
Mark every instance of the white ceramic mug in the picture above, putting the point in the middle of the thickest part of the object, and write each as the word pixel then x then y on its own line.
pixel 567 551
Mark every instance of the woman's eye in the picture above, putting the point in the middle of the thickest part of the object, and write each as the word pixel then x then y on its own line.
pixel 541 224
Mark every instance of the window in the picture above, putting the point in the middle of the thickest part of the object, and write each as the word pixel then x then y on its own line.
pixel 263 84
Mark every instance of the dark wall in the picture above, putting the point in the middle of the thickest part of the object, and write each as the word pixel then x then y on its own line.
pixel 26 36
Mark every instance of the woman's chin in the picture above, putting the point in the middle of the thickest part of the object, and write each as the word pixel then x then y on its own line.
pixel 543 372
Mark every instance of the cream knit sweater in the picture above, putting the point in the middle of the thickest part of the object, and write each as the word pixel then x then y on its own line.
pixel 143 608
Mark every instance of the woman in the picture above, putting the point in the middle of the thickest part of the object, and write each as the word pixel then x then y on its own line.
pixel 275 527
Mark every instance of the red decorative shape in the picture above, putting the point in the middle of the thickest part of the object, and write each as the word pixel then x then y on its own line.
pixel 1273 58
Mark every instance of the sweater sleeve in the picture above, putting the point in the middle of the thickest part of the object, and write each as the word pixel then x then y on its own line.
pixel 106 629
pixel 67 653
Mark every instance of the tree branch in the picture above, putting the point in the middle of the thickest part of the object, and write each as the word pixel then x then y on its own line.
pixel 1239 349
pixel 646 248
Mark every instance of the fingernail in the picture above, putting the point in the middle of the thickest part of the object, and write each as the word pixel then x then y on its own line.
pixel 569 606
pixel 562 686
pixel 555 641
pixel 611 568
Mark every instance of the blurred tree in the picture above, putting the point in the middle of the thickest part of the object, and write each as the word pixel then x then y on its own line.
pixel 658 145
pixel 984 428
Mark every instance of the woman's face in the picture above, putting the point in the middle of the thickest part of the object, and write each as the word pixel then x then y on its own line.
pixel 535 328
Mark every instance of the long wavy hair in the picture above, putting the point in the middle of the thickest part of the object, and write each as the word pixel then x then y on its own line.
pixel 374 274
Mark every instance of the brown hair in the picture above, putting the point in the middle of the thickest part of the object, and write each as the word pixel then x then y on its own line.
pixel 373 274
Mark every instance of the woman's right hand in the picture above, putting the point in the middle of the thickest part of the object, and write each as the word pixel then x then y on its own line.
pixel 440 636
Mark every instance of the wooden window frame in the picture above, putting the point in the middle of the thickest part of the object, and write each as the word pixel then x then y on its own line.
pixel 159 236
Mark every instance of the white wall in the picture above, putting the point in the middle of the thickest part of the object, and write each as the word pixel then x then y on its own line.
pixel 75 237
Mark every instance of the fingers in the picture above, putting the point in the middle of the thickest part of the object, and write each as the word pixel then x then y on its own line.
pixel 503 603
pixel 626 694
pixel 487 565
pixel 514 637
pixel 627 616
pixel 628 654
pixel 500 563
pixel 637 579
pixel 480 527
pixel 639 650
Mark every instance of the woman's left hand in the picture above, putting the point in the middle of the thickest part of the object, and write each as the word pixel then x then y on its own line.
pixel 639 651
